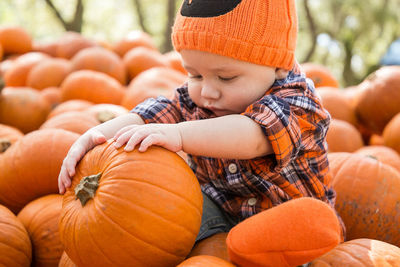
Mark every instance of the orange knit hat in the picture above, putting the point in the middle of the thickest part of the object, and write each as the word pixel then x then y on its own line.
pixel 263 32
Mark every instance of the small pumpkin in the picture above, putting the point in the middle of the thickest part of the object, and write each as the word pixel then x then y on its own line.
pixel 101 60
pixel 361 252
pixel 48 73
pixel 367 196
pixel 23 108
pixel 52 95
pixel 140 59
pixel 71 43
pixel 343 137
pixel 15 40
pixel 15 246
pixel 175 61
pixel 74 121
pixel 133 39
pixel 383 84
pixel 8 136
pixel 390 134
pixel 205 260
pixel 320 75
pixel 157 81
pixel 105 112
pixel 70 105
pixel 142 209
pixel 40 218
pixel 92 86
pixel 30 167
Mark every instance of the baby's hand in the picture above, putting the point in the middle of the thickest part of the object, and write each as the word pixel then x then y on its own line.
pixel 165 135
pixel 84 143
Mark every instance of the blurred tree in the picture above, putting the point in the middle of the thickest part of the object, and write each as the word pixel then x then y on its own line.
pixel 76 23
pixel 348 35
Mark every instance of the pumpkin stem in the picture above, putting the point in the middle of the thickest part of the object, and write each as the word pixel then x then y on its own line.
pixel 87 187
pixel 4 145
pixel 105 115
pixel 2 84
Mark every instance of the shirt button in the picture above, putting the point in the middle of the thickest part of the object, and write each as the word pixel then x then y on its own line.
pixel 232 168
pixel 252 201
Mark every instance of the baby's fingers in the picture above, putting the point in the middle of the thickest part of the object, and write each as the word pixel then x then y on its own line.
pixel 64 180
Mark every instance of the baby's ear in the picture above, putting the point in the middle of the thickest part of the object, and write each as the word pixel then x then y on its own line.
pixel 281 73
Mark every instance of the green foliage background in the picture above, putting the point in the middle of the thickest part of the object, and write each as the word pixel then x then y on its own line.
pixel 350 36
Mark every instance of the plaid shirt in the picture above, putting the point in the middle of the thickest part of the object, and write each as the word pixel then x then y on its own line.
pixel 291 117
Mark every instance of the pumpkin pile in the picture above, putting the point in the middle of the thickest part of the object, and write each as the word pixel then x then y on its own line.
pixel 144 209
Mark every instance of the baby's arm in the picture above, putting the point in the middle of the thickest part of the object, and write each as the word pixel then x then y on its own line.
pixel 93 137
pixel 232 136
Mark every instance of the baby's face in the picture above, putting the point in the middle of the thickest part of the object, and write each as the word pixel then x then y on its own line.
pixel 225 85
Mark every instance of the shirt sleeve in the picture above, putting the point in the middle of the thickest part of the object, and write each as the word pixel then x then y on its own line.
pixel 292 119
pixel 160 109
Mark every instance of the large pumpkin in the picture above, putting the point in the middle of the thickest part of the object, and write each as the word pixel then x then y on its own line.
pixel 383 154
pixel 361 252
pixel 40 218
pixel 30 167
pixel 379 98
pixel 133 39
pixel 367 197
pixel 65 261
pixel 131 209
pixel 71 43
pixel 343 137
pixel 15 246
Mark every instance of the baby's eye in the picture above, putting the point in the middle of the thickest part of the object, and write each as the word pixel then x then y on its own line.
pixel 226 79
pixel 195 77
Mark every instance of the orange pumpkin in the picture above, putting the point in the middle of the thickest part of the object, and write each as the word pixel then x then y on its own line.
pixel 1 52
pixel 379 98
pixel 17 73
pixel 175 61
pixel 320 75
pixel 8 136
pixel 65 261
pixel 343 137
pixel 367 196
pixel 74 121
pixel 214 245
pixel 101 60
pixel 376 140
pixel 23 108
pixel 49 48
pixel 105 112
pixel 30 167
pixel 152 83
pixel 49 72
pixel 361 252
pixel 338 105
pixel 15 246
pixel 70 105
pixel 71 43
pixel 52 95
pixel 15 40
pixel 383 154
pixel 132 40
pixel 131 208
pixel 140 59
pixel 205 260
pixel 391 132
pixel 92 86
pixel 40 218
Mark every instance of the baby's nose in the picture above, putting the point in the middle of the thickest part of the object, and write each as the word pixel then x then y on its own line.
pixel 210 92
